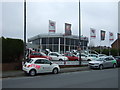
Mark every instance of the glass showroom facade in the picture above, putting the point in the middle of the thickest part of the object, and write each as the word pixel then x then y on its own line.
pixel 58 42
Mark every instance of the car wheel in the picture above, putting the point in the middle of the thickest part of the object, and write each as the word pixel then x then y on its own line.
pixel 101 67
pixel 32 72
pixel 60 60
pixel 88 60
pixel 76 59
pixel 55 71
pixel 114 65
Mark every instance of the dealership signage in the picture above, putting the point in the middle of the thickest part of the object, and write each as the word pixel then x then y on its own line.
pixel 70 62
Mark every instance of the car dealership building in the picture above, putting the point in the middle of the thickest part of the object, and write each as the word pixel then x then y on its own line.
pixel 58 42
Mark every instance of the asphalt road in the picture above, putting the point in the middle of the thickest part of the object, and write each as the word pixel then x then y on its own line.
pixel 107 78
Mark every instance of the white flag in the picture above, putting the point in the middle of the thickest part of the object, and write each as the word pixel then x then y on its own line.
pixel 52 25
pixel 111 36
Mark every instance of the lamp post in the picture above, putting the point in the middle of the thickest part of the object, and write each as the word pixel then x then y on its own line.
pixel 24 30
pixel 79 35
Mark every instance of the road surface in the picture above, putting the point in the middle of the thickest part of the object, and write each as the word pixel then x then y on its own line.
pixel 107 78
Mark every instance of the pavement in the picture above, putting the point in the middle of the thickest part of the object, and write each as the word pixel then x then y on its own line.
pixel 19 73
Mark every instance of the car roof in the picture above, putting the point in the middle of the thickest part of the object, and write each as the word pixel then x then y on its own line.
pixel 106 56
pixel 53 52
pixel 38 58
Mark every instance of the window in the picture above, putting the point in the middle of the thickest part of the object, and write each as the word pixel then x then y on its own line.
pixel 46 62
pixel 38 54
pixel 83 55
pixel 39 61
pixel 43 40
pixel 72 41
pixel 111 58
pixel 53 54
pixel 107 59
pixel 62 40
pixel 56 40
pixel 29 60
pixel 42 61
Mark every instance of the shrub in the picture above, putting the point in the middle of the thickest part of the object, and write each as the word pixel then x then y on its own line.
pixel 12 50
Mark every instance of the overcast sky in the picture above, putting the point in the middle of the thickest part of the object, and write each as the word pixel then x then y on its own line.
pixel 95 14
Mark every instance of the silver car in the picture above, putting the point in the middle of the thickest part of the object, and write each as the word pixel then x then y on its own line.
pixel 103 62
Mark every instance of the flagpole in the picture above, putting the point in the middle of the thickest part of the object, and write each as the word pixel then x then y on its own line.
pixel 109 43
pixel 90 45
pixel 100 42
pixel 79 35
pixel 24 30
pixel 100 46
pixel 118 43
pixel 118 46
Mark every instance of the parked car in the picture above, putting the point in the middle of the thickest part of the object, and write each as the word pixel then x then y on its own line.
pixel 40 65
pixel 35 54
pixel 101 55
pixel 57 56
pixel 71 57
pixel 118 60
pixel 88 57
pixel 103 62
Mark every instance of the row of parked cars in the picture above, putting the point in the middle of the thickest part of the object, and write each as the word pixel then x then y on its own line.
pixel 69 56
pixel 38 62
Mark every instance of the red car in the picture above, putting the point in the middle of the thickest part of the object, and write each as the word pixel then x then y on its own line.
pixel 71 57
pixel 35 54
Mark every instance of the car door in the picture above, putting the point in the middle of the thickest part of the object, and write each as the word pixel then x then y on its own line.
pixel 47 66
pixel 53 56
pixel 106 62
pixel 39 65
pixel 83 57
pixel 111 62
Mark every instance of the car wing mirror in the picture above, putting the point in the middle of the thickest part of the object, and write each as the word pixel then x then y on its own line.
pixel 104 60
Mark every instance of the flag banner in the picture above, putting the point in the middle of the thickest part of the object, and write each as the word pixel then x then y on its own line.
pixel 68 29
pixel 92 33
pixel 111 36
pixel 52 25
pixel 118 36
pixel 102 35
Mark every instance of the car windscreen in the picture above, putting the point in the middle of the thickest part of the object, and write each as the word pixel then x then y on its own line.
pixel 43 54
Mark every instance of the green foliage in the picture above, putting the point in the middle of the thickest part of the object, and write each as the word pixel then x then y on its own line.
pixel 12 50
pixel 114 52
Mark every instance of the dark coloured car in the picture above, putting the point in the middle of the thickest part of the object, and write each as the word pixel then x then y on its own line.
pixel 71 57
pixel 118 60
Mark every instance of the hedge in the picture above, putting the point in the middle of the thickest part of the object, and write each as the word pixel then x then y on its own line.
pixel 12 50
pixel 113 52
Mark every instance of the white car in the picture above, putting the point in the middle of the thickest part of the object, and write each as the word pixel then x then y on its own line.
pixel 103 62
pixel 101 55
pixel 57 56
pixel 88 57
pixel 40 65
